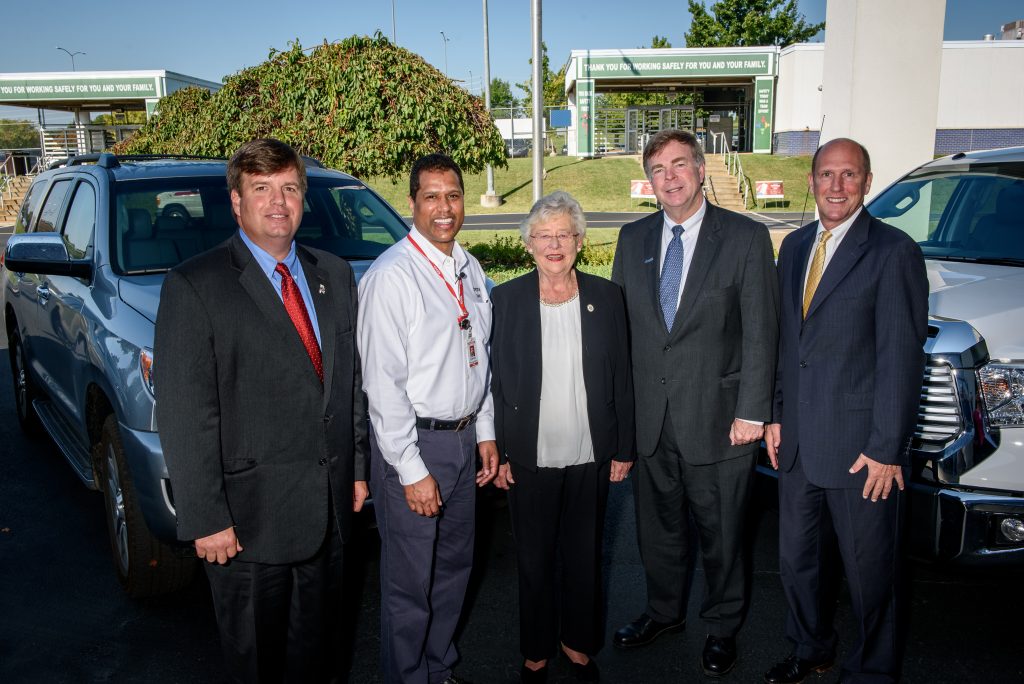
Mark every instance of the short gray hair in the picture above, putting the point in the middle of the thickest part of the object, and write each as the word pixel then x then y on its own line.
pixel 662 138
pixel 558 203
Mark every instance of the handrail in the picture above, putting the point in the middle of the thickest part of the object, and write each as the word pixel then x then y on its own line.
pixel 6 181
pixel 734 166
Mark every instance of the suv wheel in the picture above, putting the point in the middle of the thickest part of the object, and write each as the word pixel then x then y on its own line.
pixel 24 389
pixel 145 565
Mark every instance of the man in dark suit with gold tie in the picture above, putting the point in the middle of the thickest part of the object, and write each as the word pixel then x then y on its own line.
pixel 854 301
pixel 701 298
pixel 263 423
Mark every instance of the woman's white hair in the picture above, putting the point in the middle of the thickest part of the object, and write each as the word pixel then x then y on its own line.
pixel 558 203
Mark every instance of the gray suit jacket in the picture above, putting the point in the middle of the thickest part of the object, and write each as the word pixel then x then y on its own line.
pixel 250 436
pixel 717 362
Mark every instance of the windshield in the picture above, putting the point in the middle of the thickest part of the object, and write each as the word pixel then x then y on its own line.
pixel 965 213
pixel 162 222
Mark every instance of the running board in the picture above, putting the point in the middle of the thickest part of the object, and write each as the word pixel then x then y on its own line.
pixel 66 440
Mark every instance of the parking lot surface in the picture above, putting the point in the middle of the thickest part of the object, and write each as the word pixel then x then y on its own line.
pixel 63 617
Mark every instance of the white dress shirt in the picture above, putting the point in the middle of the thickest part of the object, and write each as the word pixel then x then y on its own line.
pixel 563 429
pixel 691 231
pixel 416 361
pixel 838 233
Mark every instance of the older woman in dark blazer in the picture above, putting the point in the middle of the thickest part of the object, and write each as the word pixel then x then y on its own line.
pixel 563 402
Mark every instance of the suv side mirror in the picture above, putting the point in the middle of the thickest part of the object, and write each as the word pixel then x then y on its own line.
pixel 45 254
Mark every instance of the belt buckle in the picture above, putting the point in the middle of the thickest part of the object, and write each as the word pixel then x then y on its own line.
pixel 463 423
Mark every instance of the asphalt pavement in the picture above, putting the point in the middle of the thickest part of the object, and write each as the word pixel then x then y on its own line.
pixel 63 617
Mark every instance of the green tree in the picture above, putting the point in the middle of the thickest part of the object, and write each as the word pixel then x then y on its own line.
pixel 501 94
pixel 15 135
pixel 660 42
pixel 362 105
pixel 131 118
pixel 748 22
pixel 554 83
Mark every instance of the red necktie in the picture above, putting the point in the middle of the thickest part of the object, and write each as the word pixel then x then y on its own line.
pixel 296 309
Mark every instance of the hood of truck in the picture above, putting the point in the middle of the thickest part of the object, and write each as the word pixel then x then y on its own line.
pixel 990 298
pixel 142 293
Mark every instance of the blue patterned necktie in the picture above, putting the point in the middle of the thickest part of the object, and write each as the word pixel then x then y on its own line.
pixel 671 275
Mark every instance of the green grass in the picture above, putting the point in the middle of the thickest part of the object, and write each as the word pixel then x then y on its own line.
pixel 598 185
pixel 792 171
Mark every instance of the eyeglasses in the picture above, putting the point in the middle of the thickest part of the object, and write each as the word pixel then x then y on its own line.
pixel 558 237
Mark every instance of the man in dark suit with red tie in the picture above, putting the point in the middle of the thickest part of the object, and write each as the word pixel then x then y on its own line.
pixel 854 316
pixel 263 423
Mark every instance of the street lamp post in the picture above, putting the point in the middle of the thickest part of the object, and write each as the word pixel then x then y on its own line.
pixel 71 55
pixel 394 34
pixel 489 198
pixel 444 41
pixel 538 104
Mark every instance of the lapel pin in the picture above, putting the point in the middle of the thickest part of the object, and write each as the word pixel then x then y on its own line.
pixel 590 308
pixel 323 290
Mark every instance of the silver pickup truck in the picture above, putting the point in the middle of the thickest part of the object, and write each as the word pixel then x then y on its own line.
pixel 967 492
pixel 81 282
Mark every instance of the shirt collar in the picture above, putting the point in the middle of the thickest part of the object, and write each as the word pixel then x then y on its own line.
pixel 841 230
pixel 267 263
pixel 436 255
pixel 690 223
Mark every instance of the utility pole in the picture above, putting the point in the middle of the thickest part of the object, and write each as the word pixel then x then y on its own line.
pixel 394 34
pixel 538 104
pixel 488 199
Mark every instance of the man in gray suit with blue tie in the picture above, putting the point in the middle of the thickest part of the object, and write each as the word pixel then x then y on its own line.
pixel 701 297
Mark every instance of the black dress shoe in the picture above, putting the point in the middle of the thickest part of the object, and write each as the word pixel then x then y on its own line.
pixel 644 630
pixel 585 673
pixel 794 670
pixel 538 676
pixel 719 656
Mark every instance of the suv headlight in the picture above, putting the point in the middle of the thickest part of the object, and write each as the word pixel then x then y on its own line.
pixel 1002 388
pixel 146 370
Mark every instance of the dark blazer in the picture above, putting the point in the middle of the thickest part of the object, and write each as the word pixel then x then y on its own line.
pixel 516 368
pixel 849 376
pixel 717 363
pixel 250 436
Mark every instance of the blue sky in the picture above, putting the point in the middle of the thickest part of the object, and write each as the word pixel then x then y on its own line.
pixel 213 38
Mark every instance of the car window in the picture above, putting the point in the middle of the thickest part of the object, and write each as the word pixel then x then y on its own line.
pixel 161 222
pixel 51 207
pixel 29 207
pixel 971 212
pixel 80 221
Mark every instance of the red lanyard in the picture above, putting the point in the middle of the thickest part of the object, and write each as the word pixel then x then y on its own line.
pixel 459 298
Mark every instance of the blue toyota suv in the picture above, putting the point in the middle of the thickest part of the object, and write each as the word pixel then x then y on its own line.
pixel 81 286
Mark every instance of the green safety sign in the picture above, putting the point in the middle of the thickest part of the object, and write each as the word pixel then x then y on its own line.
pixel 77 89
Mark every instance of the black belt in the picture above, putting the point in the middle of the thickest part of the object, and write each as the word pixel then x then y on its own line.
pixel 435 424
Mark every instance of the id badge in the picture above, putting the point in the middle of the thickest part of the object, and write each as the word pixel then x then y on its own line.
pixel 467 335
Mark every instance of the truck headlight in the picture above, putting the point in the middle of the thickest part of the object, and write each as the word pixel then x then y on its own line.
pixel 1002 388
pixel 146 370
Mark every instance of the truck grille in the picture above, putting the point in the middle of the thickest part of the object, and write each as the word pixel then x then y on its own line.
pixel 938 418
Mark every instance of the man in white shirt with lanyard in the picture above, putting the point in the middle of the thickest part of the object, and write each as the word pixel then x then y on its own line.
pixel 424 324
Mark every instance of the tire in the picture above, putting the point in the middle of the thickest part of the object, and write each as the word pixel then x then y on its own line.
pixel 25 391
pixel 145 566
pixel 178 210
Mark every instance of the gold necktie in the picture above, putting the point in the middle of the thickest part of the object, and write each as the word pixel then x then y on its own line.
pixel 817 267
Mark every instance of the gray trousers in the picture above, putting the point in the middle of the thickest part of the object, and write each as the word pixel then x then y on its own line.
pixel 424 562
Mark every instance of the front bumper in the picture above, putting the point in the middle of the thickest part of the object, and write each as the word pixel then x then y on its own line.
pixel 152 484
pixel 962 527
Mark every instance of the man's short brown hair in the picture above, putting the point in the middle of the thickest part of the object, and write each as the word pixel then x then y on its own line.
pixel 660 139
pixel 264 156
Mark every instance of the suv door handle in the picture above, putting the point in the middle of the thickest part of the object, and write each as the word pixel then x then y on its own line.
pixel 43 293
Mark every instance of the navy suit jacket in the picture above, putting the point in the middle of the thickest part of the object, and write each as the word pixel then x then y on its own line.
pixel 849 375
pixel 516 368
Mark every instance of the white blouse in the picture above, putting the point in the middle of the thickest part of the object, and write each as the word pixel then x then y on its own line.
pixel 563 435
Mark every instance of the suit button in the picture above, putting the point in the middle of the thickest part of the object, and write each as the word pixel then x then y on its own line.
pixel 668 347
pixel 327 419
pixel 662 381
pixel 323 461
pixel 803 364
